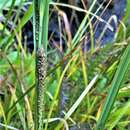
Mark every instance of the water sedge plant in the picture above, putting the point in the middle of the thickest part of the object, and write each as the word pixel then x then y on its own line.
pixel 40 22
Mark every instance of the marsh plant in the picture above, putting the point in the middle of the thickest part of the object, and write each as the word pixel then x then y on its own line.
pixel 64 83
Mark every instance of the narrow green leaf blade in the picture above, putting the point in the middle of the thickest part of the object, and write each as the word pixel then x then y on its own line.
pixel 116 83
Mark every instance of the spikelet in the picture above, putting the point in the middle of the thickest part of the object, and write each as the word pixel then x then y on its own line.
pixel 41 68
pixel 41 65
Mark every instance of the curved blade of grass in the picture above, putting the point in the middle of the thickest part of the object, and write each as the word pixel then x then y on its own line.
pixel 58 119
pixel 115 86
pixel 84 69
pixel 6 42
pixel 7 126
pixel 117 115
pixel 8 15
pixel 125 20
pixel 58 89
pixel 78 101
pixel 29 113
pixel 3 114
pixel 7 3
pixel 43 28
pixel 74 41
pixel 18 106
pixel 21 98
pixel 81 97
pixel 84 24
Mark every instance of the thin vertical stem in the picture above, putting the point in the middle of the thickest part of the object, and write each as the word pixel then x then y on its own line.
pixel 40 44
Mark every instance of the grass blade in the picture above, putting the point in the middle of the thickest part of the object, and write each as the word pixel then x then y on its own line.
pixel 115 86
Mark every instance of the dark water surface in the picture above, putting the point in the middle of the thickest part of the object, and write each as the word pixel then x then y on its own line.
pixel 117 9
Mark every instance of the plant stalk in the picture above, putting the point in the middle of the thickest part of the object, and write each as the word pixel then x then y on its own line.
pixel 40 18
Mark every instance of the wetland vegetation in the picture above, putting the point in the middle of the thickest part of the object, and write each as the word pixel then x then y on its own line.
pixel 64 64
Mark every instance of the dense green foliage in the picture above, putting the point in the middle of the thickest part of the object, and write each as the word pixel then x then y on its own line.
pixel 96 83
